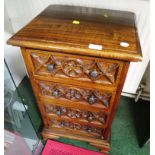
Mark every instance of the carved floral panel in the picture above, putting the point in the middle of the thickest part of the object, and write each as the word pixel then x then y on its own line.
pixel 91 70
pixel 98 132
pixel 75 94
pixel 76 113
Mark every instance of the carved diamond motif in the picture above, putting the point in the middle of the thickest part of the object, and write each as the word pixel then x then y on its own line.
pixel 76 126
pixel 72 68
pixel 74 94
pixel 75 68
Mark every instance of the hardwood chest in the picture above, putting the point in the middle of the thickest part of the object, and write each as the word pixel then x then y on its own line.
pixel 77 59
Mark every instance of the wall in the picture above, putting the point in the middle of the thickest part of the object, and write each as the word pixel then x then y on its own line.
pixel 12 54
pixel 14 60
pixel 21 12
pixel 146 80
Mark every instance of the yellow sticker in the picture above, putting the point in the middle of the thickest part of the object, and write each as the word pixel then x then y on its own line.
pixel 76 22
pixel 105 15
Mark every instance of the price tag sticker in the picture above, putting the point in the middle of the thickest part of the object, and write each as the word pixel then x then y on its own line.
pixel 95 47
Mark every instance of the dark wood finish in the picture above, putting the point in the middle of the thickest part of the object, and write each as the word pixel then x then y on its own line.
pixel 74 94
pixel 117 97
pixel 77 87
pixel 76 68
pixel 78 128
pixel 54 30
pixel 77 114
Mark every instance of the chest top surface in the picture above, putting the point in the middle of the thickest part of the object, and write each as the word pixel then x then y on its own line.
pixel 84 31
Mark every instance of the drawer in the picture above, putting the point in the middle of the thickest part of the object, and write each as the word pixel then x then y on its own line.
pixel 76 128
pixel 75 96
pixel 78 69
pixel 83 116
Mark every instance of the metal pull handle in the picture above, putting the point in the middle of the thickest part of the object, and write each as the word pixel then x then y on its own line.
pixel 56 93
pixel 90 117
pixel 58 112
pixel 91 99
pixel 89 129
pixel 51 67
pixel 93 74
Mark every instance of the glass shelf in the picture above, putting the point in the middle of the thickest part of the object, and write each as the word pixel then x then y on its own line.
pixel 19 134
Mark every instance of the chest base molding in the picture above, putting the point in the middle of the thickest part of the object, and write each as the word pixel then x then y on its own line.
pixel 102 145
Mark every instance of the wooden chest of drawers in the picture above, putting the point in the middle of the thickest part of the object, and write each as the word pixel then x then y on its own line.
pixel 77 59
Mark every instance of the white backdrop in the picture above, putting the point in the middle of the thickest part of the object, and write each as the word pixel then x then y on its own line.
pixel 20 12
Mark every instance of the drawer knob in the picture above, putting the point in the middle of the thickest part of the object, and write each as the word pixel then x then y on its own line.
pixel 102 137
pixel 64 110
pixel 91 99
pixel 58 112
pixel 56 93
pixel 90 117
pixel 62 124
pixel 93 73
pixel 51 67
pixel 89 129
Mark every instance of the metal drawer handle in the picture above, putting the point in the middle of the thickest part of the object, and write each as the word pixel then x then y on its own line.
pixel 56 93
pixel 91 99
pixel 90 117
pixel 89 129
pixel 58 112
pixel 51 67
pixel 93 73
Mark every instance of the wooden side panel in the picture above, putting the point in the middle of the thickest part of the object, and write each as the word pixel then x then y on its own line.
pixel 117 98
pixel 33 84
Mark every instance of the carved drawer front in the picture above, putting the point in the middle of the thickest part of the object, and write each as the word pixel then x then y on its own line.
pixel 76 68
pixel 78 128
pixel 88 97
pixel 87 117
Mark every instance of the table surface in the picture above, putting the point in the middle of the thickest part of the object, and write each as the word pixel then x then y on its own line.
pixel 92 31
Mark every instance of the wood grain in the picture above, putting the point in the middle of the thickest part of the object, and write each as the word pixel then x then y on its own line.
pixel 54 30
pixel 117 98
pixel 76 68
pixel 75 94
pixel 78 88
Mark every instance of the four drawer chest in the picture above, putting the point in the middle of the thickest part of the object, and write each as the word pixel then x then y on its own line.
pixel 77 59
